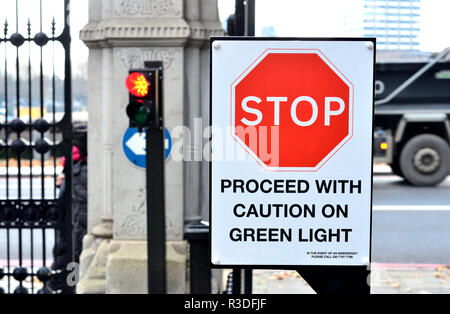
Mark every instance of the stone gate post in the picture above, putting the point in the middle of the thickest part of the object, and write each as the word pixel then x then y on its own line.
pixel 123 34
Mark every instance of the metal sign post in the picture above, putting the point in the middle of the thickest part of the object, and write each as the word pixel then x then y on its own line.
pixel 145 111
pixel 155 212
pixel 156 222
pixel 337 279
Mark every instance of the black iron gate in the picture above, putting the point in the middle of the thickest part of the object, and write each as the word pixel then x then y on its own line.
pixel 35 133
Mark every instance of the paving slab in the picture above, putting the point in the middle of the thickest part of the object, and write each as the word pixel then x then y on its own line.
pixel 393 280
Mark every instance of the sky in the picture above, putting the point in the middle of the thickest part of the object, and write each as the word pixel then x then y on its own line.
pixel 296 18
pixel 328 18
pixel 50 8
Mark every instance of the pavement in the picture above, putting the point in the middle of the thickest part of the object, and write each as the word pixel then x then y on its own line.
pixel 385 279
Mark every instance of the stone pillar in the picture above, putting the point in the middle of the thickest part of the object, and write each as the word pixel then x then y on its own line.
pixel 96 243
pixel 192 145
pixel 209 15
pixel 123 34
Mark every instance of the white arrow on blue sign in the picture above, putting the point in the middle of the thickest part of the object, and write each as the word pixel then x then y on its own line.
pixel 134 146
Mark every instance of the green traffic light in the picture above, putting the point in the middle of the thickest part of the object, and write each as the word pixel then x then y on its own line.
pixel 141 115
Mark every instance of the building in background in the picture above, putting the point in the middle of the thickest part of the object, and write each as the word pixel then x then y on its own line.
pixel 268 31
pixel 395 23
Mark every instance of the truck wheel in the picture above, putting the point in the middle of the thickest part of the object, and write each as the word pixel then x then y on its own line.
pixel 395 167
pixel 424 161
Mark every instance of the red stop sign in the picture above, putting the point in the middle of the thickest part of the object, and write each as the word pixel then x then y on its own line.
pixel 292 109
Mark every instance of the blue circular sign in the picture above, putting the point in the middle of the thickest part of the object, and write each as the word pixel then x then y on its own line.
pixel 134 146
pixel 167 143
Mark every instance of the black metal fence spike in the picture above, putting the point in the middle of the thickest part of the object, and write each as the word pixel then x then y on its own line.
pixel 6 27
pixel 53 26
pixel 29 27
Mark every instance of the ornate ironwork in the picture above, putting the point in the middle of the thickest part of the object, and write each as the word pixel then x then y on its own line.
pixel 31 211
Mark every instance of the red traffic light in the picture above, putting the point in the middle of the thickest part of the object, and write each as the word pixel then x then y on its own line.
pixel 137 84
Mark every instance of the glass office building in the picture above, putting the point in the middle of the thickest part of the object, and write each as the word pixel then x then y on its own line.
pixel 395 23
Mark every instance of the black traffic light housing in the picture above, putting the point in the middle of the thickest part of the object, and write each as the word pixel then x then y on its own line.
pixel 145 96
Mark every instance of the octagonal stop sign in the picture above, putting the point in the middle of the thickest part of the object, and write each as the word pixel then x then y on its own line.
pixel 292 109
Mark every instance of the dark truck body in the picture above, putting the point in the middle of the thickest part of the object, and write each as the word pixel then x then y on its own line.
pixel 414 125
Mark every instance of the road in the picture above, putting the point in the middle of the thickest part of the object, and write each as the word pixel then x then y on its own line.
pixel 410 224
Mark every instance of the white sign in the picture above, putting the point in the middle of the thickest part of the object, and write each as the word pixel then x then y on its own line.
pixel 291 169
pixel 137 143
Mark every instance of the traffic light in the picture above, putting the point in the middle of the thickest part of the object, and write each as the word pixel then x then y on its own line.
pixel 145 111
pixel 144 90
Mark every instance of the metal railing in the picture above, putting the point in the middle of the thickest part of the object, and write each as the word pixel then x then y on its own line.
pixel 35 221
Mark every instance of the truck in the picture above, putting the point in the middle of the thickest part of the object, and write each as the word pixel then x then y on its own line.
pixel 412 118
